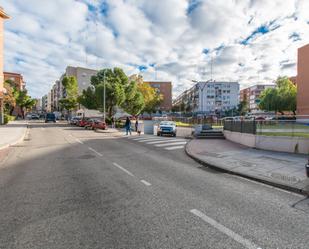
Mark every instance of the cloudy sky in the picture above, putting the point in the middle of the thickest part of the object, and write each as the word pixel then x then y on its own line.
pixel 250 41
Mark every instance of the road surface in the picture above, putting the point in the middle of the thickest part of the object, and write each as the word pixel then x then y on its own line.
pixel 66 187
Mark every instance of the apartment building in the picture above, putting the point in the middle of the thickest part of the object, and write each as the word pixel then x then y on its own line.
pixel 16 78
pixel 252 95
pixel 82 75
pixel 165 89
pixel 303 83
pixel 210 97
pixel 44 103
pixel 3 16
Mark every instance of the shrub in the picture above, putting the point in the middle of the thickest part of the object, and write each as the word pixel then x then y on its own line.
pixel 8 118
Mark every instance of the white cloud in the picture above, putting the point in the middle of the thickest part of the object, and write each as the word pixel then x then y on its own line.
pixel 43 37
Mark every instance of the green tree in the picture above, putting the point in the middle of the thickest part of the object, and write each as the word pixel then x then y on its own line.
pixel 24 101
pixel 9 97
pixel 115 82
pixel 152 99
pixel 71 88
pixel 279 99
pixel 243 107
pixel 134 102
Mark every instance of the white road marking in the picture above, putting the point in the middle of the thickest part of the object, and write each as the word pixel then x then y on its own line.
pixel 42 128
pixel 167 141
pixel 175 147
pixel 246 243
pixel 77 140
pixel 98 153
pixel 123 169
pixel 139 138
pixel 146 183
pixel 170 144
pixel 147 139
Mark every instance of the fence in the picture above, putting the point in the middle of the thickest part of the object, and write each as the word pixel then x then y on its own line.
pixel 240 126
pixel 286 128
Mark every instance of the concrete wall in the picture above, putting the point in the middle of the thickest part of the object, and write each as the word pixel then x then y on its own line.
pixel 241 138
pixel 274 143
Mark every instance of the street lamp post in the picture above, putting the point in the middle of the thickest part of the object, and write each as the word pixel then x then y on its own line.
pixel 104 100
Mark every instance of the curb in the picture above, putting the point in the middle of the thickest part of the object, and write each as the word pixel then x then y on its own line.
pixel 18 140
pixel 270 183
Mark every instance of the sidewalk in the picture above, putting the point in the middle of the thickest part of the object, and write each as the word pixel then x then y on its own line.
pixel 283 170
pixel 12 133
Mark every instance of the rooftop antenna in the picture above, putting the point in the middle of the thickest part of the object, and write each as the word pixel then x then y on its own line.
pixel 211 62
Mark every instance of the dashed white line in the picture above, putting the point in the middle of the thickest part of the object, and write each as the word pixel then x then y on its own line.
pixel 77 140
pixel 246 243
pixel 146 183
pixel 98 153
pixel 123 169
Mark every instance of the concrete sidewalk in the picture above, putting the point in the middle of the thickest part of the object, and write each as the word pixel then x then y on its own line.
pixel 12 133
pixel 283 170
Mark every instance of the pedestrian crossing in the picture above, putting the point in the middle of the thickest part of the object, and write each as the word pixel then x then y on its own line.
pixel 167 143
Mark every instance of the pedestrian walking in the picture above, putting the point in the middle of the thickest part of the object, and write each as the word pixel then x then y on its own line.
pixel 136 124
pixel 113 122
pixel 139 128
pixel 128 126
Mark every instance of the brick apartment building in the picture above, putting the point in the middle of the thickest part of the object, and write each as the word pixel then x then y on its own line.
pixel 303 83
pixel 164 88
pixel 252 95
pixel 3 16
pixel 16 78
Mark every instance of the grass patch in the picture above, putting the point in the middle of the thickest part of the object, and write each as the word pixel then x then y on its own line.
pixel 181 124
pixel 284 134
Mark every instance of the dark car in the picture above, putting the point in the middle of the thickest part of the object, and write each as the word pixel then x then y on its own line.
pixel 50 117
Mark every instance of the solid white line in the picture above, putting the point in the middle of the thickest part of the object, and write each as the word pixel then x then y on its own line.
pixel 123 169
pixel 153 140
pixel 170 144
pixel 98 153
pixel 175 147
pixel 146 183
pixel 167 141
pixel 246 243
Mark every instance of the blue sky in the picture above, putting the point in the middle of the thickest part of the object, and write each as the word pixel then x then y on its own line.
pixel 251 41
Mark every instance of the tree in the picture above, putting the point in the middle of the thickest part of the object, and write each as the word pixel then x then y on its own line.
pixel 279 99
pixel 243 107
pixel 9 97
pixel 134 102
pixel 115 82
pixel 152 99
pixel 24 101
pixel 71 88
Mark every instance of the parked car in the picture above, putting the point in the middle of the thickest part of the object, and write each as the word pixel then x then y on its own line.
pixel 82 122
pixel 50 117
pixel 35 116
pixel 99 124
pixel 74 120
pixel 88 123
pixel 167 127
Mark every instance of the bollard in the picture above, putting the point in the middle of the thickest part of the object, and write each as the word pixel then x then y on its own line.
pixel 307 168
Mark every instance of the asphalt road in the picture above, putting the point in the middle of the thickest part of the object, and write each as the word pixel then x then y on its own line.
pixel 65 187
